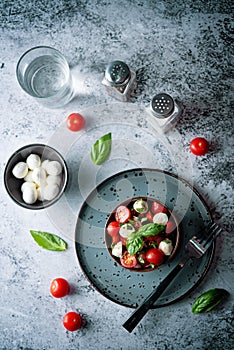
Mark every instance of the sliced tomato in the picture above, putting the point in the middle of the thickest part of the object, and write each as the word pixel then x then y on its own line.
pixel 157 239
pixel 155 256
pixel 149 216
pixel 122 214
pixel 128 261
pixel 113 228
pixel 115 239
pixel 123 240
pixel 158 208
pixel 170 226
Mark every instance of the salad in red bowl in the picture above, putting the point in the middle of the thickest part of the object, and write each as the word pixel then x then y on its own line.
pixel 141 234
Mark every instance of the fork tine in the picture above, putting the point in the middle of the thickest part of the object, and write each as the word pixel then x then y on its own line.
pixel 214 232
pixel 212 238
pixel 209 230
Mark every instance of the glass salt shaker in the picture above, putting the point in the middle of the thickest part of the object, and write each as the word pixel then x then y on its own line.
pixel 165 110
pixel 119 80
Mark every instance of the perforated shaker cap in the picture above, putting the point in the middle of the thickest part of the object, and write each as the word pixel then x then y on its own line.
pixel 162 105
pixel 117 73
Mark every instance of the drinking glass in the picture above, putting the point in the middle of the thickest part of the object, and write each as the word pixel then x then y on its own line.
pixel 44 74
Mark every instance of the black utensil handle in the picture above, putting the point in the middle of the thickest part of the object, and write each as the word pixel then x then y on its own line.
pixel 140 312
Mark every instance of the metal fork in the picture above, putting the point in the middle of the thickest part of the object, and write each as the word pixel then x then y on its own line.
pixel 195 248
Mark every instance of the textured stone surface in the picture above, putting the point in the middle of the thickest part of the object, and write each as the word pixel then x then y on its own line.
pixel 183 48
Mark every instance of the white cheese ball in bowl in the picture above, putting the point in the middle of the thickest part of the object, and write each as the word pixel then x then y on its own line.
pixel 54 168
pixel 20 170
pixel 33 161
pixel 35 170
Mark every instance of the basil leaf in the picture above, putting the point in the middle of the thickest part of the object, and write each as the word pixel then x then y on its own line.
pixel 101 149
pixel 141 260
pixel 209 300
pixel 48 240
pixel 134 243
pixel 150 229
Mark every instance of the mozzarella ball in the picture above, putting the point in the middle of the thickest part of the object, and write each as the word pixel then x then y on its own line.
pixel 33 161
pixel 166 246
pixel 20 170
pixel 160 218
pixel 126 229
pixel 27 184
pixel 140 206
pixel 40 193
pixel 54 168
pixel 45 163
pixel 53 180
pixel 50 192
pixel 39 176
pixel 28 177
pixel 118 250
pixel 30 195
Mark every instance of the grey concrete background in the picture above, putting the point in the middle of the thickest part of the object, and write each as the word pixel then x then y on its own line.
pixel 183 48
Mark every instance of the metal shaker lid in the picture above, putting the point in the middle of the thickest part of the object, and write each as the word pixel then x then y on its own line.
pixel 117 73
pixel 162 105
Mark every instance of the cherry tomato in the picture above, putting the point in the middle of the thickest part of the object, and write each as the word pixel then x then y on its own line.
pixel 157 239
pixel 158 208
pixel 59 288
pixel 75 122
pixel 199 146
pixel 149 216
pixel 115 239
pixel 155 256
pixel 72 321
pixel 113 228
pixel 128 261
pixel 122 214
pixel 123 240
pixel 170 227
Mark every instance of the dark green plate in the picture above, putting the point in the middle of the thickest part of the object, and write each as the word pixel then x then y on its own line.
pixel 116 283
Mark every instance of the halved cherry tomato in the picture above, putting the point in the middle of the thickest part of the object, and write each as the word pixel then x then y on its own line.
pixel 170 226
pixel 149 216
pixel 123 240
pixel 155 256
pixel 113 228
pixel 157 239
pixel 75 122
pixel 72 321
pixel 116 239
pixel 158 208
pixel 59 287
pixel 199 146
pixel 122 214
pixel 128 261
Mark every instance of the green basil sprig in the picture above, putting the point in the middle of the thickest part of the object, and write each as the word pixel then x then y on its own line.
pixel 150 229
pixel 48 240
pixel 209 300
pixel 134 243
pixel 135 239
pixel 101 149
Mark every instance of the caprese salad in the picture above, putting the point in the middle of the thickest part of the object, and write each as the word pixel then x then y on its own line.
pixel 141 234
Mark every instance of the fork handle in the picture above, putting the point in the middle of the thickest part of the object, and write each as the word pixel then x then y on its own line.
pixel 140 312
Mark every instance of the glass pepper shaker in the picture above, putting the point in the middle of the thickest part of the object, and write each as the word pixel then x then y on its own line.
pixel 165 111
pixel 119 80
